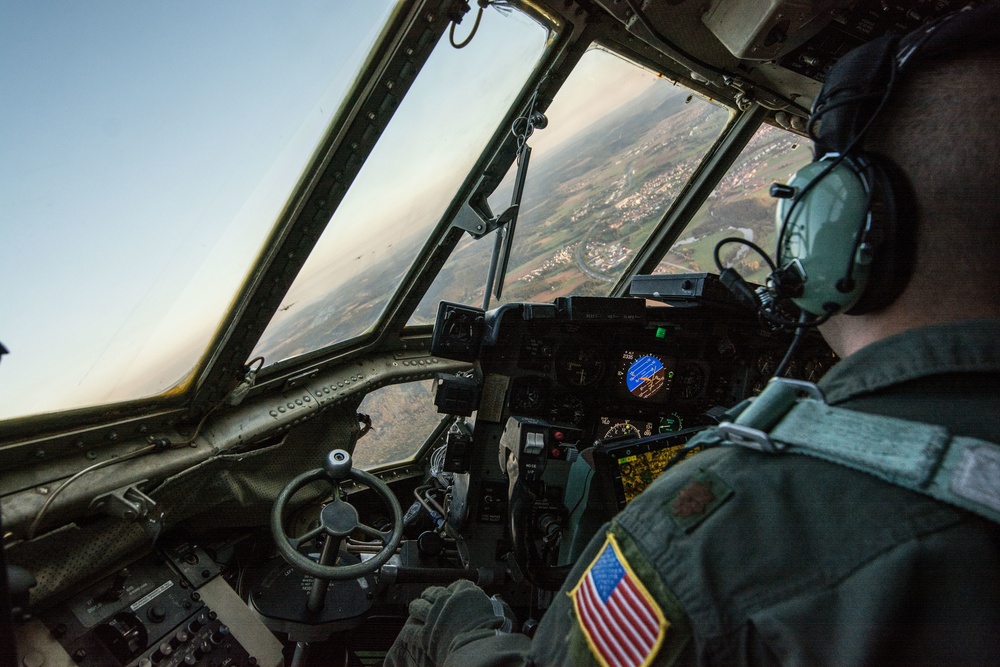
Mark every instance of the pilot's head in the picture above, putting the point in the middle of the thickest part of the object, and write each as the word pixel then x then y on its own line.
pixel 935 134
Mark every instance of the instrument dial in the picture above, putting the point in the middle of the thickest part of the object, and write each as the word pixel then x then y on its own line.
pixel 623 430
pixel 527 398
pixel 580 367
pixel 568 409
pixel 690 381
pixel 646 376
pixel 671 423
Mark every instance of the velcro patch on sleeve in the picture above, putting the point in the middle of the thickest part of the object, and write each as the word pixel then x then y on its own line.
pixel 622 623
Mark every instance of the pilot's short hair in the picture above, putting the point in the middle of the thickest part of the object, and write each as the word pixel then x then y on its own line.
pixel 940 128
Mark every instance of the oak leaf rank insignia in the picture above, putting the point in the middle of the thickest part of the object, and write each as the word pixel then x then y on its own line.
pixel 698 499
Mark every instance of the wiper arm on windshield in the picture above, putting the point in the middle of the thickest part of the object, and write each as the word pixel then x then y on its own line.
pixel 506 222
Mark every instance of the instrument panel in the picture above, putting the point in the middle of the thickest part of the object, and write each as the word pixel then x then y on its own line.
pixel 655 369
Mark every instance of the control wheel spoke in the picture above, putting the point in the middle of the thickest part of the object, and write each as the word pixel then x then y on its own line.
pixel 381 536
pixel 337 519
pixel 297 541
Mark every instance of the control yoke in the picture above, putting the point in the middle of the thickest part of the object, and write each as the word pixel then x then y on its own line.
pixel 337 520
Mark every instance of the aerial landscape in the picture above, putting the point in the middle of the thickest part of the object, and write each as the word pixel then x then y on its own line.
pixel 588 206
pixel 590 202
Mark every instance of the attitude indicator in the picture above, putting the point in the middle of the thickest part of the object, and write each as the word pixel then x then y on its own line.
pixel 646 376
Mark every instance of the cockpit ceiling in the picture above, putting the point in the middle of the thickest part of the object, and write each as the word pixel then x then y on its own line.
pixel 777 52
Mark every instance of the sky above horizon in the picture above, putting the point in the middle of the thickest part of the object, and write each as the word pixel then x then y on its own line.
pixel 146 150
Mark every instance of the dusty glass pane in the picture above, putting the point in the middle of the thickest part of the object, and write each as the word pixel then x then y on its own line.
pixel 403 416
pixel 740 206
pixel 462 279
pixel 146 150
pixel 620 144
pixel 401 193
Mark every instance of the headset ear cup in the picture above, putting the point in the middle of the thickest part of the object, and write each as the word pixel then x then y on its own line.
pixel 819 234
pixel 892 237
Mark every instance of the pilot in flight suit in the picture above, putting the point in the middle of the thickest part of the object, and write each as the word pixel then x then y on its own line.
pixel 737 556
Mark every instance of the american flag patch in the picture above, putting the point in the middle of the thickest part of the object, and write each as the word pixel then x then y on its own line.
pixel 622 623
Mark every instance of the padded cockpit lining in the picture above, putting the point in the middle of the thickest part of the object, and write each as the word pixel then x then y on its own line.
pixel 229 490
pixel 238 489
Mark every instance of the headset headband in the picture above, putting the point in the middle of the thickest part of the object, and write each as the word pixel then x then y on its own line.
pixel 859 82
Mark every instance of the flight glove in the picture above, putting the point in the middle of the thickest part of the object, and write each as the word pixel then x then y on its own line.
pixel 444 621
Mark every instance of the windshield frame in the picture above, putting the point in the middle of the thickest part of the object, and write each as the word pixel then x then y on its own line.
pixel 567 44
pixel 545 31
pixel 390 327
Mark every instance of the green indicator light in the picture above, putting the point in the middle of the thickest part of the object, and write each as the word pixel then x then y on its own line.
pixel 661 332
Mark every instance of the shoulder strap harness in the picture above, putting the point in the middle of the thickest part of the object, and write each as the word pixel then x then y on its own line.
pixel 791 416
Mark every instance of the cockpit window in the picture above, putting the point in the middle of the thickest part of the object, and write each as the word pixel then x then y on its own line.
pixel 403 416
pixel 401 193
pixel 740 206
pixel 147 150
pixel 620 144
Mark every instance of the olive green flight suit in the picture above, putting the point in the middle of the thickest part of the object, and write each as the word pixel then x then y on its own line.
pixel 756 558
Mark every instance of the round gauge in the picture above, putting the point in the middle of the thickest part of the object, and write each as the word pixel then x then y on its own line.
pixel 568 409
pixel 671 423
pixel 526 397
pixel 579 366
pixel 690 381
pixel 766 363
pixel 646 376
pixel 623 430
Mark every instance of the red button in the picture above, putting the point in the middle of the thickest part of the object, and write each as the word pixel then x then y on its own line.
pixel 559 435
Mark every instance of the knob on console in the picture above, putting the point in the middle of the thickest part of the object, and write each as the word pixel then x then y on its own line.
pixel 430 543
pixel 219 634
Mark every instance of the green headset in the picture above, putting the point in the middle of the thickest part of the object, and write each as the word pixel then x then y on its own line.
pixel 846 238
